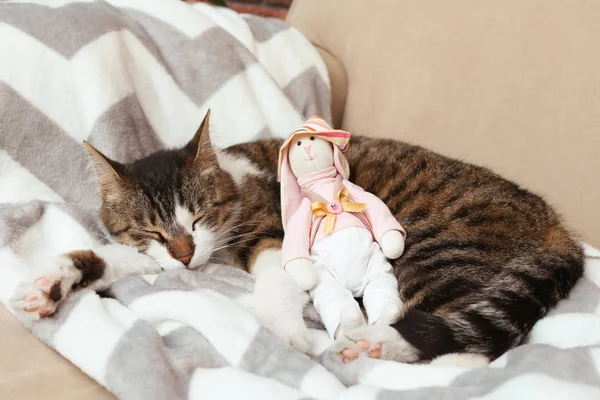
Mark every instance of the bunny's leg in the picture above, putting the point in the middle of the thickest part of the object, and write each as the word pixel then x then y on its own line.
pixel 381 298
pixel 335 303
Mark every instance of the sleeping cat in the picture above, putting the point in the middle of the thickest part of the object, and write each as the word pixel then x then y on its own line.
pixel 484 259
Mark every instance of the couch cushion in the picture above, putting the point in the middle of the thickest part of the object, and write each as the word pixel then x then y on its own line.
pixel 31 370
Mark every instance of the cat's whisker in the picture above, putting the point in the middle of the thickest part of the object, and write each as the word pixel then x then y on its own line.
pixel 243 224
pixel 229 238
pixel 233 238
pixel 108 238
pixel 228 245
pixel 218 261
pixel 233 244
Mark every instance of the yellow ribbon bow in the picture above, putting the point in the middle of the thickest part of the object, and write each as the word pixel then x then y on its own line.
pixel 341 202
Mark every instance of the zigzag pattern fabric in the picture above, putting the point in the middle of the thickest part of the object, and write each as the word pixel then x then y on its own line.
pixel 132 77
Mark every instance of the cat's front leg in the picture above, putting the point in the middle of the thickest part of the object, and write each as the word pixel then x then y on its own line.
pixel 277 301
pixel 40 293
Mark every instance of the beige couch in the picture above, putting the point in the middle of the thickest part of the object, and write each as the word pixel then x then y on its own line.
pixel 512 85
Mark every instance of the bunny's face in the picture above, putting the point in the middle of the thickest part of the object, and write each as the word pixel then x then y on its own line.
pixel 310 154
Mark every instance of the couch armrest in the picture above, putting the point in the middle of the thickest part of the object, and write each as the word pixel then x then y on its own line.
pixel 337 75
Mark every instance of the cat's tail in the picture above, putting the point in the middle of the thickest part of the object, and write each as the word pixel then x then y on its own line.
pixel 500 316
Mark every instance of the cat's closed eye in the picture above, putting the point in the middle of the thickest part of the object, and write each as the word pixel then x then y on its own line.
pixel 156 236
pixel 197 221
pixel 221 203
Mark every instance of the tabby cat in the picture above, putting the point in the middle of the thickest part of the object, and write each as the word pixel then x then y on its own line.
pixel 484 258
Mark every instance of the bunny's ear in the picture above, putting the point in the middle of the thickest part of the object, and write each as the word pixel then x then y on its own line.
pixel 341 163
pixel 291 195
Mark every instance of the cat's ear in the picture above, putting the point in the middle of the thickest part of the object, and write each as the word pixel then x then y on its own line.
pixel 107 170
pixel 200 145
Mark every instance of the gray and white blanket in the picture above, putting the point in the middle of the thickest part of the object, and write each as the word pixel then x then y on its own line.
pixel 132 77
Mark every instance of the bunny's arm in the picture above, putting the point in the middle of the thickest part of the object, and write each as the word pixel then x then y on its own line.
pixel 380 216
pixel 296 242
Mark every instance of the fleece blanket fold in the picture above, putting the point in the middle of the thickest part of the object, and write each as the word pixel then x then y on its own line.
pixel 132 77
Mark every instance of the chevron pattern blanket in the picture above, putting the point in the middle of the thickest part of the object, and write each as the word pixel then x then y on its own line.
pixel 132 77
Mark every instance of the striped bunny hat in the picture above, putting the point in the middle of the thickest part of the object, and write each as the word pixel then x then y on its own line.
pixel 291 194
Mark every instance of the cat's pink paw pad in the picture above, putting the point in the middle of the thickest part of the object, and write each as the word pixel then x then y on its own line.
pixel 42 281
pixel 373 341
pixel 38 295
pixel 363 344
pixel 375 352
pixel 350 354
pixel 37 298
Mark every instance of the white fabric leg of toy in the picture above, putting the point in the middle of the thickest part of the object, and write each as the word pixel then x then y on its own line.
pixel 351 317
pixel 390 314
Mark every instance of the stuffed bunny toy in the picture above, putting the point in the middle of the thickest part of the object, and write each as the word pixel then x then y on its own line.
pixel 337 236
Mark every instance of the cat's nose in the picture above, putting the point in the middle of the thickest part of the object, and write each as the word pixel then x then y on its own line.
pixel 307 149
pixel 185 259
pixel 181 248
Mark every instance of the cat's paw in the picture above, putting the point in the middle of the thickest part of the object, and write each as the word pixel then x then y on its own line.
pixel 286 322
pixel 296 335
pixel 374 341
pixel 279 303
pixel 348 369
pixel 39 295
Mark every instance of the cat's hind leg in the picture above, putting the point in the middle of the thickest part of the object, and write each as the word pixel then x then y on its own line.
pixel 373 341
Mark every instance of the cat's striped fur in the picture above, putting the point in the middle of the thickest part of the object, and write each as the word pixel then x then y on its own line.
pixel 484 259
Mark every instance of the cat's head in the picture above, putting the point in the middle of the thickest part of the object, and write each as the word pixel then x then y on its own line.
pixel 174 205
